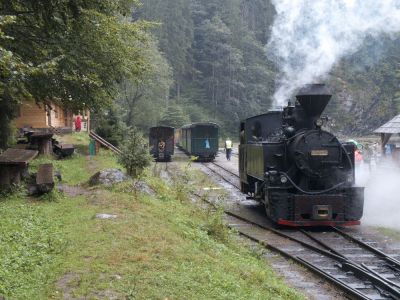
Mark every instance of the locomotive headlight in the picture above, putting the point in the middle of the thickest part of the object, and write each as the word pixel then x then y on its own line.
pixel 319 122
pixel 284 179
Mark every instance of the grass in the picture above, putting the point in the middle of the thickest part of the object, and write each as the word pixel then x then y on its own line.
pixel 389 232
pixel 160 246
pixel 30 243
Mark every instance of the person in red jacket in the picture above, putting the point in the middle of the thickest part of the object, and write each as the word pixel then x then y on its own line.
pixel 358 156
pixel 78 123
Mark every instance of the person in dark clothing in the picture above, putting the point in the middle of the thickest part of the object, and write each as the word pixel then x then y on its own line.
pixel 228 148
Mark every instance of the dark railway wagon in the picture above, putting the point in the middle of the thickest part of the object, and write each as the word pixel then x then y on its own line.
pixel 303 174
pixel 161 142
pixel 199 139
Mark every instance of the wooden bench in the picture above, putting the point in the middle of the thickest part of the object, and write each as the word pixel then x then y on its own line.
pixel 63 150
pixel 45 178
pixel 14 165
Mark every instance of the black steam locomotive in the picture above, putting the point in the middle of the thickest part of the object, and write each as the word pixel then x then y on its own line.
pixel 303 174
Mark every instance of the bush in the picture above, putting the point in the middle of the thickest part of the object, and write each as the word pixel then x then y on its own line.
pixel 135 156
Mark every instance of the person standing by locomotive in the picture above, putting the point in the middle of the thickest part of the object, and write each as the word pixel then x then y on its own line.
pixel 228 148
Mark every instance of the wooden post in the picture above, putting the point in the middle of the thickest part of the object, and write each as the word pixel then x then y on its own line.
pixel 97 147
pixel 382 144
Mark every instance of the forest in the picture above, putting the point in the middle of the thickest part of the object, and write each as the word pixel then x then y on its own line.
pixel 172 62
pixel 212 64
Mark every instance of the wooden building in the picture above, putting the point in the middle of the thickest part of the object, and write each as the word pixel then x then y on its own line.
pixel 41 116
pixel 387 131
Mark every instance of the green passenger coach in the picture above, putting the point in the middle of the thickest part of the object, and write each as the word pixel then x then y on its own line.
pixel 200 140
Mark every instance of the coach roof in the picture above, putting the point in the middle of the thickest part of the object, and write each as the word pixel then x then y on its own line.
pixel 193 125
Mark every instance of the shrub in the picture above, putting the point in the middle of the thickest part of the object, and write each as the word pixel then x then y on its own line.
pixel 135 156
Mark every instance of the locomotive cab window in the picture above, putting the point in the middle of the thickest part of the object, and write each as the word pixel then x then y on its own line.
pixel 256 131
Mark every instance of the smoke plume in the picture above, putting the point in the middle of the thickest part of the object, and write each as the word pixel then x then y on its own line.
pixel 381 197
pixel 309 36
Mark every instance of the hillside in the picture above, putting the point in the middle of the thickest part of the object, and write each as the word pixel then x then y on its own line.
pixel 219 69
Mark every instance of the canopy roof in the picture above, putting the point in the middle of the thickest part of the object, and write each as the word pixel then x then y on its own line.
pixel 393 126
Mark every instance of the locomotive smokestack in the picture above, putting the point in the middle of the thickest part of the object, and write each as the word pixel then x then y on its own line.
pixel 313 98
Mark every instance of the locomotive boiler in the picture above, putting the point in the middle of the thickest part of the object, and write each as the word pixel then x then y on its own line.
pixel 303 174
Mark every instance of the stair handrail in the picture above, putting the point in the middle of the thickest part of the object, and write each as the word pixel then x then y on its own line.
pixel 103 142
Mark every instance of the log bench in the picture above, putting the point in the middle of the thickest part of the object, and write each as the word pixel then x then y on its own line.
pixel 63 150
pixel 45 178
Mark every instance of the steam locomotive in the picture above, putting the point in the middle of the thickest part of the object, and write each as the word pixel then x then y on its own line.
pixel 303 174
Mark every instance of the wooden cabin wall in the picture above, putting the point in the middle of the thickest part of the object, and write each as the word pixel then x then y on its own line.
pixel 35 116
pixel 58 117
pixel 31 115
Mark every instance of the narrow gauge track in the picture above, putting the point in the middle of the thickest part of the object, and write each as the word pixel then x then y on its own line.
pixel 236 153
pixel 361 270
pixel 223 173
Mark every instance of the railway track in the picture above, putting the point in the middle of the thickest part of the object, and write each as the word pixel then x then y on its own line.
pixel 361 270
pixel 226 175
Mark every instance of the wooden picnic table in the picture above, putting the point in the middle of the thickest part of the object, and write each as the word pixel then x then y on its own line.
pixel 42 140
pixel 14 165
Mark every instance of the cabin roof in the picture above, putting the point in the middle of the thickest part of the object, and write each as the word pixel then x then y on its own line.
pixel 393 126
pixel 169 127
pixel 271 112
pixel 201 124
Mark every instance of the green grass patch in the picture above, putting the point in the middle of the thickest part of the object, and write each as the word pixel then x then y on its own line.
pixel 74 169
pixel 160 246
pixel 77 169
pixel 389 232
pixel 30 242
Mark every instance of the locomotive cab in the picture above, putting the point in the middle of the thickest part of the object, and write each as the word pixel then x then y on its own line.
pixel 303 174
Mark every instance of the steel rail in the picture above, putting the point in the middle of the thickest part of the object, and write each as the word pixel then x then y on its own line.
pixel 313 268
pixel 384 286
pixel 225 169
pixel 388 287
pixel 221 176
pixel 378 252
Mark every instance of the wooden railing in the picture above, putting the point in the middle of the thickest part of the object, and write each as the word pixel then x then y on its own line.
pixel 103 142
